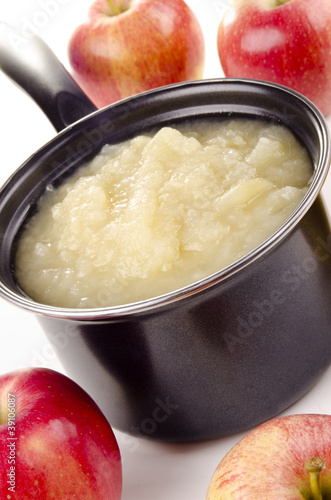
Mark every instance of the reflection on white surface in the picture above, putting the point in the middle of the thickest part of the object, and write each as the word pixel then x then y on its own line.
pixel 151 470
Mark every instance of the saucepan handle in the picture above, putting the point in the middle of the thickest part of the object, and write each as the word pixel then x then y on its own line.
pixel 32 65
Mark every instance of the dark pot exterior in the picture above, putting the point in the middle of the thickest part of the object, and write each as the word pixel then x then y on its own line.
pixel 219 362
pixel 222 355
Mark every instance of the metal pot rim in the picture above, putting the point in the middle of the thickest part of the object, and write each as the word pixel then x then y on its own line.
pixel 147 305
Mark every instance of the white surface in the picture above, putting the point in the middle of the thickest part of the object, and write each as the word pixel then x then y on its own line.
pixel 151 470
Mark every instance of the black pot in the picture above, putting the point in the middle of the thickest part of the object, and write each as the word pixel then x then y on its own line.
pixel 213 358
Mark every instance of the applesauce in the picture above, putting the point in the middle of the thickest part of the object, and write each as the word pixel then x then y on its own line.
pixel 161 211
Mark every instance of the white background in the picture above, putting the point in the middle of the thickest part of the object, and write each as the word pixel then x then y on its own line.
pixel 151 470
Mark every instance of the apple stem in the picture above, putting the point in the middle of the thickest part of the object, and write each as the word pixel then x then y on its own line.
pixel 314 467
pixel 115 9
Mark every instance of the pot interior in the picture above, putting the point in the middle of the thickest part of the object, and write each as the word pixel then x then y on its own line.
pixel 77 144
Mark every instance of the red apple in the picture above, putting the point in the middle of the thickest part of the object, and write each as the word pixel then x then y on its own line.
pixel 54 441
pixel 129 46
pixel 273 462
pixel 283 41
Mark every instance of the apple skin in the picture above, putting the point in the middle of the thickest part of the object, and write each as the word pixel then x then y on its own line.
pixel 153 43
pixel 62 446
pixel 289 44
pixel 269 462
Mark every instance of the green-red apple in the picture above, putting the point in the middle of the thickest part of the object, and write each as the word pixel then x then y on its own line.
pixel 283 41
pixel 129 46
pixel 272 462
pixel 54 441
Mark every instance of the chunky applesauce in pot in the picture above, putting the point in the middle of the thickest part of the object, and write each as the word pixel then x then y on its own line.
pixel 161 211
